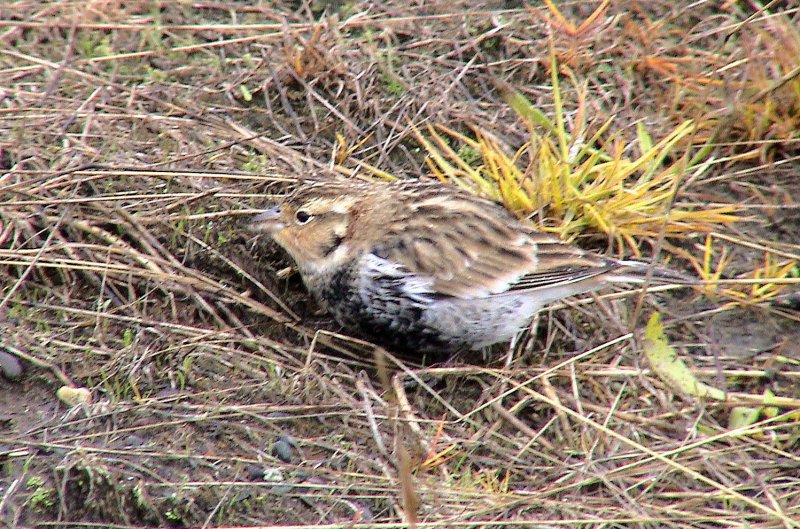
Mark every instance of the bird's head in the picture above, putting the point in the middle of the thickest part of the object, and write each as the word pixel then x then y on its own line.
pixel 311 224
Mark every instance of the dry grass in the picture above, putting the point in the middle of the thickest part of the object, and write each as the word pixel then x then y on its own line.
pixel 135 139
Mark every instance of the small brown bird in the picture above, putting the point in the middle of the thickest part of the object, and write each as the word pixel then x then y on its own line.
pixel 422 266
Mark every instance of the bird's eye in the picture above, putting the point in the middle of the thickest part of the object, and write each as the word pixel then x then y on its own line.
pixel 302 216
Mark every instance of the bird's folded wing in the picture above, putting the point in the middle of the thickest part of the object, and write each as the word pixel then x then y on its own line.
pixel 476 266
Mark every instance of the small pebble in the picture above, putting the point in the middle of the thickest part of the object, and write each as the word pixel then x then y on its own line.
pixel 284 449
pixel 133 441
pixel 74 396
pixel 10 366
pixel 282 490
pixel 254 472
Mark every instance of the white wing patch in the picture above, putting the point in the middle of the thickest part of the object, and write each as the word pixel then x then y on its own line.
pixel 376 269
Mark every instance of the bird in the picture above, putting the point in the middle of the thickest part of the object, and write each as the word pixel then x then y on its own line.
pixel 417 265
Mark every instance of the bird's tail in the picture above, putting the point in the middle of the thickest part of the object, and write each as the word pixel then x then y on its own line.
pixel 640 272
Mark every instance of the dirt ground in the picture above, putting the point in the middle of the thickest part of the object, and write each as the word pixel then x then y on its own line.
pixel 137 138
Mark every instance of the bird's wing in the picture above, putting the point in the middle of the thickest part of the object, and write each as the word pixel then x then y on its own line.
pixel 482 260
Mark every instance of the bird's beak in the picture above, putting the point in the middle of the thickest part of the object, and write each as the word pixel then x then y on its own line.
pixel 268 222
